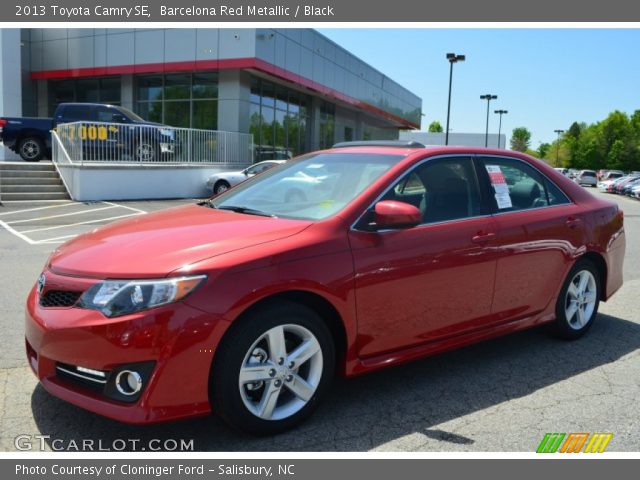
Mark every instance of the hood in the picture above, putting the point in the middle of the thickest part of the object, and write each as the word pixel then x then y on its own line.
pixel 155 244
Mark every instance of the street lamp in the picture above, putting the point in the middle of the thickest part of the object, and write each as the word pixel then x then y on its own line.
pixel 488 97
pixel 558 145
pixel 500 112
pixel 453 58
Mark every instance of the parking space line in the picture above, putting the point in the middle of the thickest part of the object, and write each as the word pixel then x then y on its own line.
pixel 56 239
pixel 125 206
pixel 62 215
pixel 39 208
pixel 82 223
pixel 17 233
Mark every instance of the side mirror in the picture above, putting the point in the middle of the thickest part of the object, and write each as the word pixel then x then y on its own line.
pixel 393 214
pixel 118 118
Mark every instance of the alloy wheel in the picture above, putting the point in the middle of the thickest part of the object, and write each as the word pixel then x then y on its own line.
pixel 280 372
pixel 581 298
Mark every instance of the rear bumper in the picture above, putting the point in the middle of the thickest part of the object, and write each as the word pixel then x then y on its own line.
pixel 615 261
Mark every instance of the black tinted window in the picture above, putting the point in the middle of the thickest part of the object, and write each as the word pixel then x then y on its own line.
pixel 77 113
pixel 518 186
pixel 443 189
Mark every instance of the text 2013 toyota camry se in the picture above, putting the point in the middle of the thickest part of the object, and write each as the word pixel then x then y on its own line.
pixel 249 303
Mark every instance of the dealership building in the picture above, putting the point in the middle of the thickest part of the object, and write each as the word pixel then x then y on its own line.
pixel 293 89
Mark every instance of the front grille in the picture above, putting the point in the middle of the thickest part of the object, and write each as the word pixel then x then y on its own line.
pixel 59 298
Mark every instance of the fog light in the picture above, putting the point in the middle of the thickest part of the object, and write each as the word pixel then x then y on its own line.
pixel 128 382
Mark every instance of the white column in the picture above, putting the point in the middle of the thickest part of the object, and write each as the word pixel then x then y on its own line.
pixel 10 81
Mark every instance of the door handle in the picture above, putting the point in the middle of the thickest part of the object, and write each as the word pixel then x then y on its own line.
pixel 483 237
pixel 573 222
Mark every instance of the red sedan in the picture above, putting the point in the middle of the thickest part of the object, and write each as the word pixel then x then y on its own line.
pixel 248 304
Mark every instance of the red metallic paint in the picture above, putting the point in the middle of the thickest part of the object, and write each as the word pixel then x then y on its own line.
pixel 390 213
pixel 397 295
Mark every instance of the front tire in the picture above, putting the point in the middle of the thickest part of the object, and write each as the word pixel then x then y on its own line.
pixel 272 369
pixel 31 149
pixel 221 186
pixel 146 152
pixel 577 305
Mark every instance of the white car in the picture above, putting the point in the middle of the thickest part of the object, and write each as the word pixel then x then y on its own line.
pixel 586 177
pixel 602 185
pixel 222 181
pixel 635 191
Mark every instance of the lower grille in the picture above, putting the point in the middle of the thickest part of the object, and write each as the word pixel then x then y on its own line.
pixel 59 298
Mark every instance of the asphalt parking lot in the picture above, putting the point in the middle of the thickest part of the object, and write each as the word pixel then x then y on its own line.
pixel 501 395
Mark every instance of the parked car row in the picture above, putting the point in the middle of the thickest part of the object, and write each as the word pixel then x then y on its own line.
pixel 626 185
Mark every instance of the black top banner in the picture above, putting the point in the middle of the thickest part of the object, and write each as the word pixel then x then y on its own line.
pixel 320 11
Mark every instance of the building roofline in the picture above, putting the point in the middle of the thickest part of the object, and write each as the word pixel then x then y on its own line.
pixel 222 64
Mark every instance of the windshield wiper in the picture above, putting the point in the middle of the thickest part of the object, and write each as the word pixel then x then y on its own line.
pixel 247 210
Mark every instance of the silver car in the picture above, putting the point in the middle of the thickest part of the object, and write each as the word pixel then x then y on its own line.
pixel 587 177
pixel 222 181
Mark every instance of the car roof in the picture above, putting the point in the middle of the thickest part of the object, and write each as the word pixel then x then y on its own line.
pixel 361 147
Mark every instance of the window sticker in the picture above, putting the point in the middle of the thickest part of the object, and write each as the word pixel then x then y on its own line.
pixel 499 183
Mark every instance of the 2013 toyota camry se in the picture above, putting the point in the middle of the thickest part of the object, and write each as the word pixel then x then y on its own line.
pixel 248 304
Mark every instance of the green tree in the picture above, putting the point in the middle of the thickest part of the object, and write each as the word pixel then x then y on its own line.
pixel 574 130
pixel 543 149
pixel 520 139
pixel 435 127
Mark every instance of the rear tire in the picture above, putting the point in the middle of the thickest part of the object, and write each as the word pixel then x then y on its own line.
pixel 272 369
pixel 577 305
pixel 31 149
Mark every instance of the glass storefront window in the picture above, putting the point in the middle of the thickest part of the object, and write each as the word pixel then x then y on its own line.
pixel 280 129
pixel 278 118
pixel 97 90
pixel 176 87
pixel 87 90
pixel 268 94
pixel 205 85
pixel 266 130
pixel 151 111
pixel 177 114
pixel 205 114
pixel 150 88
pixel 180 100
pixel 109 90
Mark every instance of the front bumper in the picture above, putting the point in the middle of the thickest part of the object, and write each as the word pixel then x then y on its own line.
pixel 177 339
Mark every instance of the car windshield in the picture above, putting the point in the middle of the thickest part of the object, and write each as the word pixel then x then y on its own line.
pixel 128 113
pixel 312 187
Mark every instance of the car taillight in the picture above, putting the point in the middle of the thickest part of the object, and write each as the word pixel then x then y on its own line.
pixel 3 122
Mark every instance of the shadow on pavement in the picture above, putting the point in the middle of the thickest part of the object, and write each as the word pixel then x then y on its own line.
pixel 366 412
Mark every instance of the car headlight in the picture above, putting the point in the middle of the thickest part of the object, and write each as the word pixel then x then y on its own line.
pixel 120 297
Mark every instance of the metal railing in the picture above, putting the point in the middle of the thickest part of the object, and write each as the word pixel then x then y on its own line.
pixel 62 162
pixel 92 142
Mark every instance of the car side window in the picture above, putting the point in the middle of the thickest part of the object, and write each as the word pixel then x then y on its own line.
pixel 77 113
pixel 105 114
pixel 443 189
pixel 518 186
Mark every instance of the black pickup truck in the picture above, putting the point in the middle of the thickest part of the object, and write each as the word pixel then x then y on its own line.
pixel 31 137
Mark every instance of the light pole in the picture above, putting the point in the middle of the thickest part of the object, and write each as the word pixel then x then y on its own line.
pixel 488 97
pixel 500 112
pixel 453 58
pixel 558 145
